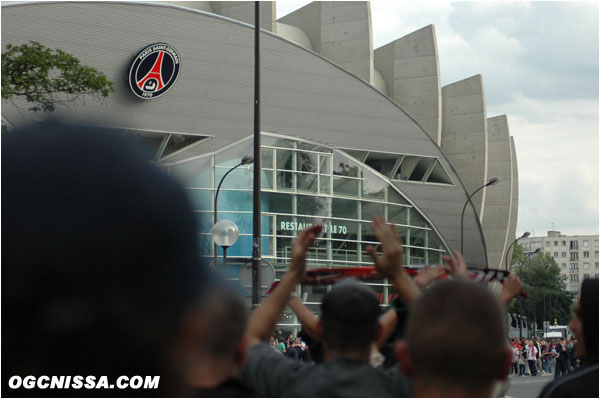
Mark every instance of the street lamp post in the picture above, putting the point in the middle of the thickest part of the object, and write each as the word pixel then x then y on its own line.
pixel 225 233
pixel 525 235
pixel 534 314
pixel 491 182
pixel 244 161
pixel 521 301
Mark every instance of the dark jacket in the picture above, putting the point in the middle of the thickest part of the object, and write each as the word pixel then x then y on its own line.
pixel 581 384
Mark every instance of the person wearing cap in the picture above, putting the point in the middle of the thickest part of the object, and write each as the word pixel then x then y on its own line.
pixel 348 325
pixel 582 383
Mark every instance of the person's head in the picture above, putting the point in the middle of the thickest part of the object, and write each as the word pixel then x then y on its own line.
pixel 431 353
pixel 99 258
pixel 349 318
pixel 221 350
pixel 585 321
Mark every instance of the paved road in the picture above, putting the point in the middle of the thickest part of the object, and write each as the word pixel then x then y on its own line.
pixel 527 387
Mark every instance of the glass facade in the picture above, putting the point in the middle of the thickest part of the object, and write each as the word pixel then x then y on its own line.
pixel 303 184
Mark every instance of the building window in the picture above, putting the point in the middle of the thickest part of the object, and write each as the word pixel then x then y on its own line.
pixel 574 245
pixel 547 243
pixel 586 243
pixel 564 265
pixel 574 267
pixel 556 254
pixel 596 254
pixel 574 255
pixel 563 254
pixel 586 266
pixel 556 243
pixel 575 289
pixel 586 254
pixel 563 243
pixel 574 278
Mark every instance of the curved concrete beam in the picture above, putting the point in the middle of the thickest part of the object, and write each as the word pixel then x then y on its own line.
pixel 514 207
pixel 498 201
pixel 464 135
pixel 411 71
pixel 340 31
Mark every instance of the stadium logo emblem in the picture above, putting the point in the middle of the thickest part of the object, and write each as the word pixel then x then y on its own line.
pixel 154 70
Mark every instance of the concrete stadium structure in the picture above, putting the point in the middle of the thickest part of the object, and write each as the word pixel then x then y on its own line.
pixel 348 131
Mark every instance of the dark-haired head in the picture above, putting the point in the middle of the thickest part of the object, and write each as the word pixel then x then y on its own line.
pixel 350 317
pixel 99 260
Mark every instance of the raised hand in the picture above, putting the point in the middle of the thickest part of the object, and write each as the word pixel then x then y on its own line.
pixel 299 246
pixel 390 264
pixel 511 288
pixel 456 267
pixel 429 274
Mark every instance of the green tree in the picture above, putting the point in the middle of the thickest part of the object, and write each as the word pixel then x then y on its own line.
pixel 547 295
pixel 46 77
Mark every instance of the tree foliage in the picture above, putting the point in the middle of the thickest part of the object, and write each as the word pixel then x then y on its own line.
pixel 46 77
pixel 545 287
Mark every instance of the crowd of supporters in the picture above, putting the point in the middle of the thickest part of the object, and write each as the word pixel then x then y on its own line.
pixel 102 276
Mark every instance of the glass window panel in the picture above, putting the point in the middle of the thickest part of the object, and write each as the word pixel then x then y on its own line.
pixel 418 238
pixel 370 209
pixel 194 173
pixel 278 203
pixel 235 200
pixel 284 159
pixel 421 168
pixel 240 178
pixel 307 182
pixel 242 220
pixel 179 141
pixel 397 214
pixel 307 161
pixel 342 229
pixel 276 142
pixel 325 164
pixel 373 186
pixel 266 159
pixel 434 241
pixel 201 200
pixel 232 156
pixel 439 175
pixel 367 232
pixel 148 142
pixel 416 219
pixel 266 180
pixel 325 184
pixel 417 256
pixel 344 186
pixel 204 221
pixel 342 166
pixel 406 167
pixel 311 147
pixel 344 208
pixel 383 163
pixel 359 155
pixel 345 251
pixel 284 180
pixel 204 244
pixel 434 257
pixel 310 205
pixel 395 197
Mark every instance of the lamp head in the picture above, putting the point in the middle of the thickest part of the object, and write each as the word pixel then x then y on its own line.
pixel 225 233
pixel 247 159
pixel 526 234
pixel 493 180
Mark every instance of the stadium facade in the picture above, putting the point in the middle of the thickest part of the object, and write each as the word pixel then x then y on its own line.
pixel 348 131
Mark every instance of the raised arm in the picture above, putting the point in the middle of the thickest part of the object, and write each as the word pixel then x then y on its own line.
pixel 263 319
pixel 306 317
pixel 390 264
pixel 511 288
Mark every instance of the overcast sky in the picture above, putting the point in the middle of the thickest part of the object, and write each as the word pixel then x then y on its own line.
pixel 539 62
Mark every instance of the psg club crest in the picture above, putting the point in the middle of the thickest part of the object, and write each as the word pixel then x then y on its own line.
pixel 154 70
